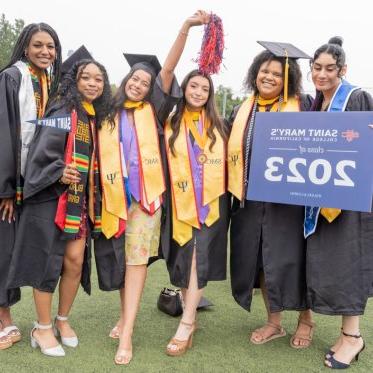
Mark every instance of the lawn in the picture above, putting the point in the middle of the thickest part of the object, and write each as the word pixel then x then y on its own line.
pixel 220 345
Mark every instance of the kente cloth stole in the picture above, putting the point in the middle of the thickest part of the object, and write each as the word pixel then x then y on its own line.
pixel 197 179
pixel 338 103
pixel 150 170
pixel 41 85
pixel 33 97
pixel 112 165
pixel 236 143
pixel 78 151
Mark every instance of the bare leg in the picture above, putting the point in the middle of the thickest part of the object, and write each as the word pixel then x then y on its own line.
pixel 115 332
pixel 43 305
pixel 304 329
pixel 347 347
pixel 69 284
pixel 192 298
pixel 134 281
pixel 272 317
pixel 5 317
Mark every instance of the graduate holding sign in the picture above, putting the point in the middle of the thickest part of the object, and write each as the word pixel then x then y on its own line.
pixel 62 204
pixel 267 243
pixel 26 83
pixel 340 251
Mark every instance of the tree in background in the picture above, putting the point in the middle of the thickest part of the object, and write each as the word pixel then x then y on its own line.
pixel 225 100
pixel 8 36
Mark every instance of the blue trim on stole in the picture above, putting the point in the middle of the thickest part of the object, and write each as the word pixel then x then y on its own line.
pixel 338 104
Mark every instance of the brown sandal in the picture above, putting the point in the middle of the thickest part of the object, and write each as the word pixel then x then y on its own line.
pixel 303 337
pixel 280 333
pixel 5 341
pixel 181 346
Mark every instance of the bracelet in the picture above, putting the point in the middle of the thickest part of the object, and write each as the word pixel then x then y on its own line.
pixel 183 33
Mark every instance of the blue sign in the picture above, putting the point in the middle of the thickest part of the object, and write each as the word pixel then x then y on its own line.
pixel 62 123
pixel 313 159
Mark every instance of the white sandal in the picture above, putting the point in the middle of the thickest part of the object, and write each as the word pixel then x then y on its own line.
pixel 5 341
pixel 67 341
pixel 56 351
pixel 13 333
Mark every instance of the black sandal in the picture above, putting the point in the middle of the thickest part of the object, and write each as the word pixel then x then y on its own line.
pixel 335 364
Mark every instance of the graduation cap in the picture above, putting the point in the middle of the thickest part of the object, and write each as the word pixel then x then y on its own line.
pixel 148 62
pixel 285 50
pixel 80 54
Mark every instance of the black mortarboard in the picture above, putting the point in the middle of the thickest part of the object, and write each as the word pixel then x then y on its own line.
pixel 285 50
pixel 80 54
pixel 147 61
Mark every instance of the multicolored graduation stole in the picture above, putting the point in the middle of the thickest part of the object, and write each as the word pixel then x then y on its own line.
pixel 236 143
pixel 338 103
pixel 70 204
pixel 197 178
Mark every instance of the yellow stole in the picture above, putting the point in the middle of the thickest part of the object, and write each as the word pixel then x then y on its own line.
pixel 236 143
pixel 184 208
pixel 149 152
pixel 114 203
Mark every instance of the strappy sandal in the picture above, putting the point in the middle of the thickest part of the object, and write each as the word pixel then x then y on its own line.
pixel 13 333
pixel 307 338
pixel 335 364
pixel 56 351
pixel 176 347
pixel 114 333
pixel 67 341
pixel 5 341
pixel 280 333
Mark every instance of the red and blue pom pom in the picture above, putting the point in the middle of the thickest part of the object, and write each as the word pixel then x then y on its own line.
pixel 211 54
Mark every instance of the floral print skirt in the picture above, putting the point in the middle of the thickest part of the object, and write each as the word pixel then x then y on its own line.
pixel 142 235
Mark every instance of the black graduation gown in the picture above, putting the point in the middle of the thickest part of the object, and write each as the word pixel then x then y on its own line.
pixel 9 139
pixel 210 244
pixel 340 254
pixel 109 254
pixel 269 237
pixel 39 248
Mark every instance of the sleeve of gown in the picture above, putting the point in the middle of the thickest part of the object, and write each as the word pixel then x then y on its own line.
pixel 163 103
pixel 45 162
pixel 360 101
pixel 8 135
pixel 306 102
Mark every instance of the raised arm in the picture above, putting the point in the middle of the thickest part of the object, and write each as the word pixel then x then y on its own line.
pixel 167 72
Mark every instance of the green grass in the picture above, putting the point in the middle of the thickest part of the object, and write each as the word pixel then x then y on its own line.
pixel 220 345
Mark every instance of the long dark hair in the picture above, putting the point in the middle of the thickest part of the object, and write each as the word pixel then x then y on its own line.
pixel 295 74
pixel 211 114
pixel 69 96
pixel 23 42
pixel 120 97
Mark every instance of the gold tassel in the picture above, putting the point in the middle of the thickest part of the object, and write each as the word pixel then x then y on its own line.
pixel 286 78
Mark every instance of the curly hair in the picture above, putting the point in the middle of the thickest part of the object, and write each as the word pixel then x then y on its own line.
pixel 69 96
pixel 23 42
pixel 211 113
pixel 295 74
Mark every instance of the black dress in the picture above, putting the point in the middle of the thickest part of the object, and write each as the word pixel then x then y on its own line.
pixel 210 244
pixel 269 237
pixel 109 254
pixel 39 248
pixel 340 254
pixel 10 80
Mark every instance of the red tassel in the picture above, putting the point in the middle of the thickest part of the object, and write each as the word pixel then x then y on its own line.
pixel 211 54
